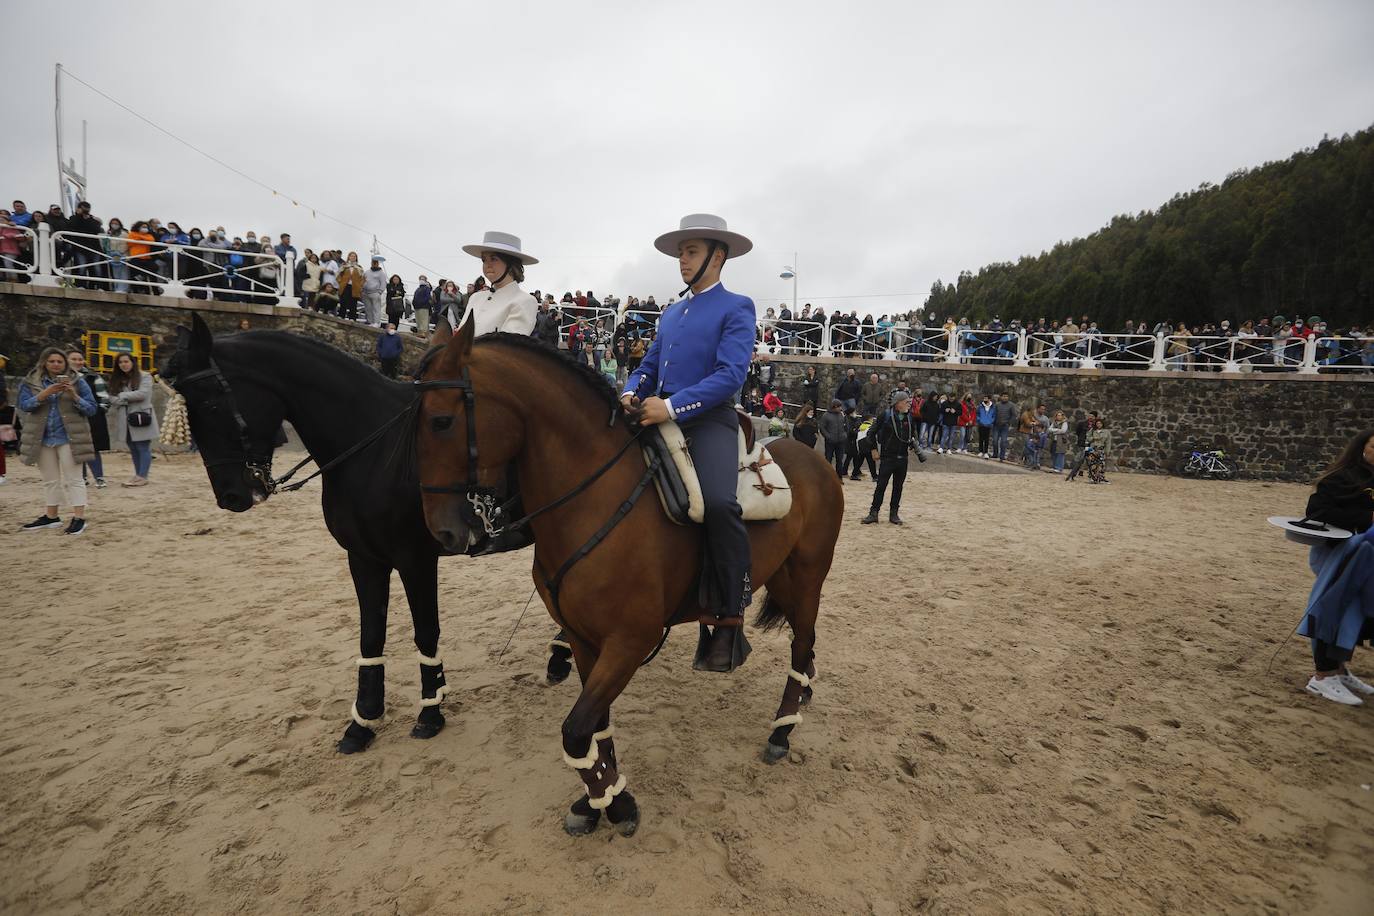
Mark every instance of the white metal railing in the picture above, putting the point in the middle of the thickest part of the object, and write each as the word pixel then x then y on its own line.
pixel 123 264
pixel 1345 354
pixel 800 336
pixel 568 315
pixel 23 259
pixel 986 346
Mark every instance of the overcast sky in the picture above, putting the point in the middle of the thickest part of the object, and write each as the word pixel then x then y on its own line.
pixel 887 144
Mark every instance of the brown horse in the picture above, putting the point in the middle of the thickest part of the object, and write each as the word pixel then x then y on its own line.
pixel 609 565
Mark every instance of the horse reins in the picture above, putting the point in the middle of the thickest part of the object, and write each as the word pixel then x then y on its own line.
pixel 261 468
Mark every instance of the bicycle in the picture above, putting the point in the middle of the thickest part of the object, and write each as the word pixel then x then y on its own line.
pixel 1213 465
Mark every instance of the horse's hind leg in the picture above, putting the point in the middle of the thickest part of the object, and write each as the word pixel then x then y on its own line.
pixel 560 658
pixel 589 745
pixel 421 581
pixel 372 582
pixel 800 605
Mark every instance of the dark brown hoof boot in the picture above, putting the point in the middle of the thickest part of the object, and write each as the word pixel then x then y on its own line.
pixel 623 814
pixel 355 739
pixel 581 818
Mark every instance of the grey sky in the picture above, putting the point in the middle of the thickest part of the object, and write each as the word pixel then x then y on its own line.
pixel 887 143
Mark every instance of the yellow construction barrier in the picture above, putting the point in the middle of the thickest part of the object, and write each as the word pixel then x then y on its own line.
pixel 103 347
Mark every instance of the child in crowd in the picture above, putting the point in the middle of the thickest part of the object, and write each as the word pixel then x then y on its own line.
pixel 1035 444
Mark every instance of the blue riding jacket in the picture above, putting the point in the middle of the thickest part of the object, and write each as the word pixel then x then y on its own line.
pixel 701 354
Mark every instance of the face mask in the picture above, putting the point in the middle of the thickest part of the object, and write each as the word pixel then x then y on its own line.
pixel 391 330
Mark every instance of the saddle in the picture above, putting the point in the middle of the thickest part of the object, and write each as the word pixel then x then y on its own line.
pixel 763 491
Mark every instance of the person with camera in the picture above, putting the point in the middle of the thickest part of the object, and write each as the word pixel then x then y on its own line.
pixel 891 438
pixel 57 438
pixel 135 422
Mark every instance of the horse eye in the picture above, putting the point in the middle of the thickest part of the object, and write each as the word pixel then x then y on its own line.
pixel 439 424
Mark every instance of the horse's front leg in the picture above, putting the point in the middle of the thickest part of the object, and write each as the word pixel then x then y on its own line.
pixel 372 582
pixel 589 745
pixel 421 581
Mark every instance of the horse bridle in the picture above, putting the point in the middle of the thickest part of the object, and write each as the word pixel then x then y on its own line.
pixel 482 500
pixel 259 468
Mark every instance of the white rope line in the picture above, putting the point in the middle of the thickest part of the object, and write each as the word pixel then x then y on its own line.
pixel 430 662
pixel 368 662
pixel 365 723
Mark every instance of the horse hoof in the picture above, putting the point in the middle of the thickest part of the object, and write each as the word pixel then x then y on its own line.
pixel 355 740
pixel 581 819
pixel 556 677
pixel 772 753
pixel 623 814
pixel 806 697
pixel 426 730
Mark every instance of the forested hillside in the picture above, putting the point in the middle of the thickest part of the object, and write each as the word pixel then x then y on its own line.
pixel 1288 237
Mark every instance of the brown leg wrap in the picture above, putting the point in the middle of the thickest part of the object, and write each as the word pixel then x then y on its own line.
pixel 598 771
pixel 789 710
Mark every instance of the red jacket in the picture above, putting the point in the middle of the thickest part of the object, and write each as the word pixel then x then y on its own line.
pixel 967 414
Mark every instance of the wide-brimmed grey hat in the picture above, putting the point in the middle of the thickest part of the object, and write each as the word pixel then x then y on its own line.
pixel 501 243
pixel 1309 531
pixel 703 226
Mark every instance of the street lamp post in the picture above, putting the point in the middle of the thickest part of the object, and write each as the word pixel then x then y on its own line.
pixel 789 272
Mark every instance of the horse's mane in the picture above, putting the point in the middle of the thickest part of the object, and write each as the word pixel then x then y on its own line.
pixel 593 379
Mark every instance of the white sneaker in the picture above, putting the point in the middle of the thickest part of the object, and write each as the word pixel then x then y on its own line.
pixel 1333 689
pixel 2 478
pixel 1355 685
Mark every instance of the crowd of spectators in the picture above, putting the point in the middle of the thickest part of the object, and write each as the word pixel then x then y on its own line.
pixel 239 268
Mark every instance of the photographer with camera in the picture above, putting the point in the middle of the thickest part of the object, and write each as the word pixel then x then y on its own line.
pixel 58 437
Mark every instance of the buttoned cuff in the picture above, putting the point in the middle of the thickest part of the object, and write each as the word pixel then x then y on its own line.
pixel 668 402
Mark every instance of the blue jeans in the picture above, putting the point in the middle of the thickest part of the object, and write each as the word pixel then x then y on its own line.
pixel 1059 461
pixel 142 453
pixel 96 465
pixel 999 441
pixel 948 437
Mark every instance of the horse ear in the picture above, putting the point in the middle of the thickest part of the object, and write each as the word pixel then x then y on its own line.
pixel 201 341
pixel 443 333
pixel 460 346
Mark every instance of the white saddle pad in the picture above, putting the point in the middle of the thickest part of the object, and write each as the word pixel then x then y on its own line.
pixel 762 491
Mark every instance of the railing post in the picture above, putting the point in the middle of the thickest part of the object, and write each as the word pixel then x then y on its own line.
pixel 289 281
pixel 1231 364
pixel 1157 361
pixel 1309 356
pixel 175 287
pixel 825 340
pixel 43 256
pixel 952 345
pixel 1022 357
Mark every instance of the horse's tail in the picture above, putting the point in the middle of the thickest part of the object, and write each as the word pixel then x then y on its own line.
pixel 771 615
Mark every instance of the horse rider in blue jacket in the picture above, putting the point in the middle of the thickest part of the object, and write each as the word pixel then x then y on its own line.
pixel 690 374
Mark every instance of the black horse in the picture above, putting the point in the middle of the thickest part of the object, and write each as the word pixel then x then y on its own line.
pixel 238 390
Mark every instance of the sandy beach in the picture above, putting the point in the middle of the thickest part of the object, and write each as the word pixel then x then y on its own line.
pixel 1034 698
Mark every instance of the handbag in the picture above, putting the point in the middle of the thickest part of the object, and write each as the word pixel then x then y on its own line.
pixel 7 432
pixel 139 419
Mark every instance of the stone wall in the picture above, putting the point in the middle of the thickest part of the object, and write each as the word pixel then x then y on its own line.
pixel 1279 427
pixel 33 317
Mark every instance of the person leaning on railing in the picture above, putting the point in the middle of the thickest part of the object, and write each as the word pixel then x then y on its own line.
pixel 10 253
pixel 140 244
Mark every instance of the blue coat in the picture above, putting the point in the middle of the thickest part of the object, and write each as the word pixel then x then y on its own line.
pixel 389 346
pixel 986 413
pixel 1342 599
pixel 701 354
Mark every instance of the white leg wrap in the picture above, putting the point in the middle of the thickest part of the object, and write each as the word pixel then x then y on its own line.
pixel 431 662
pixel 601 736
pixel 559 644
pixel 365 662
pixel 794 719
pixel 365 723
pixel 436 699
pixel 612 792
pixel 582 763
pixel 799 678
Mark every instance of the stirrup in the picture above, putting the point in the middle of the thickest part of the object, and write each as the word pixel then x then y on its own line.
pixel 706 640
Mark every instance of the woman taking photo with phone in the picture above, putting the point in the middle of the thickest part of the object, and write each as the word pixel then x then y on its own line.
pixel 135 423
pixel 57 437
